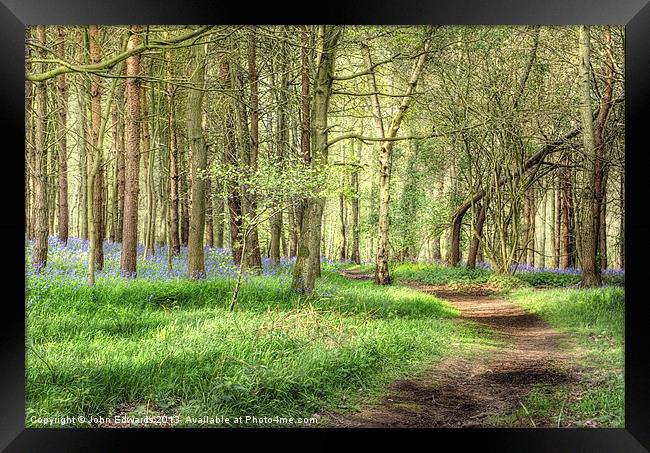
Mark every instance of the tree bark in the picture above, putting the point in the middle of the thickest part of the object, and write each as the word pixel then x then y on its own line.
pixel 622 220
pixel 305 120
pixel 121 168
pixel 541 261
pixel 132 129
pixel 63 147
pixel 589 204
pixel 557 217
pixel 147 168
pixel 40 214
pixel 252 257
pixel 173 177
pixel 566 206
pixel 195 261
pixel 530 227
pixel 96 178
pixel 219 218
pixel 282 148
pixel 603 226
pixel 355 255
pixel 29 139
pixel 344 234
pixel 209 218
pixel 480 211
pixel 307 266
pixel 382 275
pixel 184 198
pixel 231 158
pixel 114 201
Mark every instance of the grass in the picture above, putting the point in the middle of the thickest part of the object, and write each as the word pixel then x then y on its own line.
pixel 594 319
pixel 441 274
pixel 162 345
pixel 594 322
pixel 170 346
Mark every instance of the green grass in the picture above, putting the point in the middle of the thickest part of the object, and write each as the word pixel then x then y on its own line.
pixel 173 348
pixel 594 319
pixel 440 275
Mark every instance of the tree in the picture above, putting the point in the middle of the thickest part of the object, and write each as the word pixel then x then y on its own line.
pixel 591 194
pixel 355 255
pixel 95 163
pixel 63 148
pixel 307 266
pixel 195 261
pixel 128 259
pixel 174 240
pixel 382 275
pixel 40 216
pixel 252 257
pixel 94 199
pixel 231 158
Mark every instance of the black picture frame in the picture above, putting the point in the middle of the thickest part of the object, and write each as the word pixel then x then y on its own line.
pixel 15 14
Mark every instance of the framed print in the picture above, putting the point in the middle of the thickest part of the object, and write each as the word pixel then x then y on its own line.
pixel 377 218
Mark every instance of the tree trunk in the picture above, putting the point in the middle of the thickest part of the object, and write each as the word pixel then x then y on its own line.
pixel 356 255
pixel 436 252
pixel 557 221
pixel 96 192
pixel 121 168
pixel 276 233
pixel 148 162
pixel 600 171
pixel 382 275
pixel 52 187
pixel 589 212
pixel 96 179
pixel 252 257
pixel 219 219
pixel 40 215
pixel 305 120
pixel 282 148
pixel 307 266
pixel 173 178
pixel 476 242
pixel 29 138
pixel 530 228
pixel 622 220
pixel 305 111
pixel 63 148
pixel 112 235
pixel 231 158
pixel 84 148
pixel 195 261
pixel 454 239
pixel 184 194
pixel 603 226
pixel 209 218
pixel 344 243
pixel 294 228
pixel 132 129
pixel 541 261
pixel 567 234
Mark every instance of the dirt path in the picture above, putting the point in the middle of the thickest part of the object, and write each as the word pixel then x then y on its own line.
pixel 459 392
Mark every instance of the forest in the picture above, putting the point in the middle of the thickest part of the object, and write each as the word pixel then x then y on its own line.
pixel 344 226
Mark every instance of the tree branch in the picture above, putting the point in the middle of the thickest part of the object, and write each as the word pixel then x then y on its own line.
pixel 108 64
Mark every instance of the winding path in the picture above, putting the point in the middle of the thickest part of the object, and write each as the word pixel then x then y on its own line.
pixel 461 392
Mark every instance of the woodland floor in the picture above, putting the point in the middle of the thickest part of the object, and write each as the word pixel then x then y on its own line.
pixel 462 392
